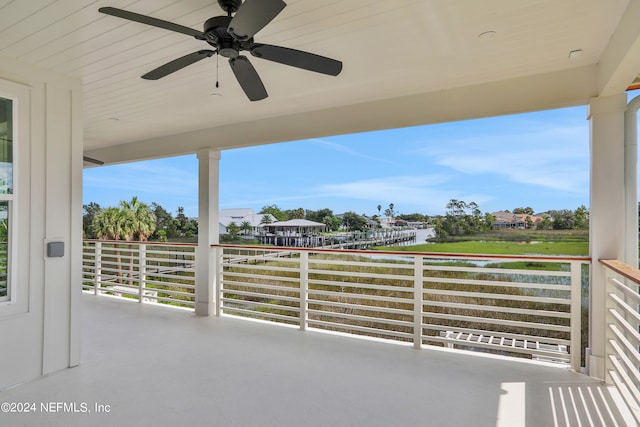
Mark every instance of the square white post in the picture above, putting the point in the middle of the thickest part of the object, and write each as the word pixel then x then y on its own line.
pixel 208 193
pixel 607 213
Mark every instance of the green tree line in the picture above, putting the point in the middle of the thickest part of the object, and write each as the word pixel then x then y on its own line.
pixel 462 218
pixel 135 220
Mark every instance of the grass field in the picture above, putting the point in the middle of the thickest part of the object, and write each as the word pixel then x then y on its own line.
pixel 511 242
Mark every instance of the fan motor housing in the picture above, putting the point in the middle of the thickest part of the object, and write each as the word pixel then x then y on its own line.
pixel 215 29
pixel 216 33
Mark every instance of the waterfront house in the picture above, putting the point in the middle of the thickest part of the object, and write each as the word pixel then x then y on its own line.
pixel 294 232
pixel 240 216
pixel 508 220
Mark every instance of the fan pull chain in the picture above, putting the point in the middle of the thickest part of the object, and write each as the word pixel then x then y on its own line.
pixel 217 69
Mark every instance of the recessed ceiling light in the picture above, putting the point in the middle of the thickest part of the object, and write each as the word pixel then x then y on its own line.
pixel 487 35
pixel 575 54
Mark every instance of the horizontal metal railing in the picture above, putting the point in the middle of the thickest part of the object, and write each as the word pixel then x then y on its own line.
pixel 144 271
pixel 511 305
pixel 623 326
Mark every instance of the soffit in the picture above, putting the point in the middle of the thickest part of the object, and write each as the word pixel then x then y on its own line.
pixel 390 49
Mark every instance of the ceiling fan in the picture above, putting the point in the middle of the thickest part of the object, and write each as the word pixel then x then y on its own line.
pixel 230 35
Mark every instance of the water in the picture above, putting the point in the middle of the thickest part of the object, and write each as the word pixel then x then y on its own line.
pixel 421 236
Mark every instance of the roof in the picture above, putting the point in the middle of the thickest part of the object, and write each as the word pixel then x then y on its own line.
pixel 509 217
pixel 236 212
pixel 255 219
pixel 297 223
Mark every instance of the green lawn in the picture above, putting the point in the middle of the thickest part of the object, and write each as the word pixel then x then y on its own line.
pixel 512 243
pixel 509 248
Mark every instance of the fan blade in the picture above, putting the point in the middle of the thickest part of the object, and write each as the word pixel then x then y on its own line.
pixel 252 16
pixel 92 160
pixel 248 78
pixel 144 19
pixel 177 64
pixel 297 58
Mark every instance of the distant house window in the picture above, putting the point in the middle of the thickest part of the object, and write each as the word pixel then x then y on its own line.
pixel 7 133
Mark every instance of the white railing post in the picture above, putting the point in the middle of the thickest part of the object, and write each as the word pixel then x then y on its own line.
pixel 576 315
pixel 217 254
pixel 97 278
pixel 418 273
pixel 304 289
pixel 609 288
pixel 142 271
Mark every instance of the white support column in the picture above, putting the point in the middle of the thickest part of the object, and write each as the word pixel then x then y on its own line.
pixel 631 180
pixel 607 213
pixel 208 190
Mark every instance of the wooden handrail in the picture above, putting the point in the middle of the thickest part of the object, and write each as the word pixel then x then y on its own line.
pixel 622 269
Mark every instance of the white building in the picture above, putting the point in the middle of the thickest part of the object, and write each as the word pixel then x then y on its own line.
pixel 239 216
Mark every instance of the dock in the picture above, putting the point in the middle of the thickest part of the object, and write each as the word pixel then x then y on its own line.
pixel 345 240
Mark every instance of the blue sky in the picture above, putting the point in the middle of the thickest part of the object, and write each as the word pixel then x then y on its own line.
pixel 536 159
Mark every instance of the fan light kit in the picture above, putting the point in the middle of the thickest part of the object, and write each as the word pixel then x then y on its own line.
pixel 575 54
pixel 232 34
pixel 487 35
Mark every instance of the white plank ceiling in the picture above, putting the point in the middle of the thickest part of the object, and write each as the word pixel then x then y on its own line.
pixel 390 49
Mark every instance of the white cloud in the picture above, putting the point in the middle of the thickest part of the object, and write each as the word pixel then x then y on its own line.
pixel 555 158
pixel 425 193
pixel 347 150
pixel 410 193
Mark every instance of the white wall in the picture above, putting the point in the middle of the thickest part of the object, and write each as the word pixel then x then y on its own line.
pixel 39 333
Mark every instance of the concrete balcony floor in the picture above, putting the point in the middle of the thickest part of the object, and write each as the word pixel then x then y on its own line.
pixel 155 366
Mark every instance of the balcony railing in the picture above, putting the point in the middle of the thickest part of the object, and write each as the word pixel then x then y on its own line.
pixel 520 306
pixel 148 272
pixel 516 305
pixel 623 338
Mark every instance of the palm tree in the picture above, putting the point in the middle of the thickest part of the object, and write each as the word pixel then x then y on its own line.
pixel 143 225
pixel 144 221
pixel 379 209
pixel 246 227
pixel 113 224
pixel 232 230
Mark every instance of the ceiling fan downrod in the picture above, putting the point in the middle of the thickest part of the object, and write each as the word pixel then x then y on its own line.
pixel 230 6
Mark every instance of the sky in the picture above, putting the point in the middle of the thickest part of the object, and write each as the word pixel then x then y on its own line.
pixel 537 159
